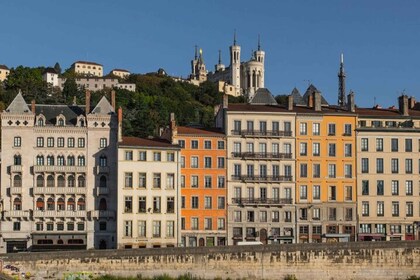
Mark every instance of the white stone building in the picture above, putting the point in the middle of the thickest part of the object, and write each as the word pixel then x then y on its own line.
pixel 51 77
pixel 88 68
pixel 58 176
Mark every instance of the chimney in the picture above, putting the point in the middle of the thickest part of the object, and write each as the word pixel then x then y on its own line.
pixel 290 103
pixel 113 99
pixel 317 101
pixel 120 117
pixel 74 100
pixel 87 102
pixel 173 127
pixel 403 104
pixel 33 106
pixel 310 100
pixel 411 102
pixel 225 101
pixel 350 102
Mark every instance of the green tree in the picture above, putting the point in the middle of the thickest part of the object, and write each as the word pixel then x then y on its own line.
pixel 57 68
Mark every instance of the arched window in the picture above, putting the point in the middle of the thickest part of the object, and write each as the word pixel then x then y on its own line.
pixel 71 182
pixel 60 160
pixel 40 121
pixel 102 182
pixel 39 160
pixel 81 122
pixel 17 160
pixel 81 204
pixel 50 160
pixel 60 122
pixel 17 204
pixel 61 182
pixel 40 204
pixel 81 161
pixel 50 181
pixel 70 204
pixel 61 204
pixel 70 160
pixel 40 181
pixel 102 204
pixel 50 204
pixel 103 161
pixel 17 181
pixel 81 182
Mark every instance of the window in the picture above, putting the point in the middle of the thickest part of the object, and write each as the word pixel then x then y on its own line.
pixel 303 192
pixel 347 130
pixel 103 143
pixel 71 161
pixel 220 223
pixel 60 160
pixel 142 204
pixel 194 162
pixel 409 166
pixel 379 144
pixel 220 145
pixel 207 181
pixel 157 180
pixel 40 141
pixel 70 142
pixel 170 180
pixel 156 228
pixel 348 171
pixel 182 162
pixel 142 156
pixel 50 160
pixel 365 144
pixel 237 147
pixel 408 145
pixel 17 160
pixel 303 170
pixel 316 170
pixel 16 226
pixel 181 143
pixel 395 208
pixel 128 204
pixel 194 223
pixel 394 145
pixel 380 208
pixel 128 179
pixel 81 142
pixel 331 149
pixel 303 149
pixel 81 161
pixel 207 144
pixel 157 156
pixel 60 142
pixel 316 214
pixel 156 204
pixel 331 129
pixel 194 181
pixel 170 205
pixel 316 149
pixel 207 202
pixel 347 150
pixel 332 193
pixel 379 165
pixel 50 142
pixel 394 187
pixel 170 228
pixel 221 182
pixel 348 193
pixel 207 162
pixel 394 165
pixel 250 217
pixel 182 181
pixel 379 187
pixel 409 209
pixel 365 187
pixel 409 187
pixel 365 165
pixel 194 202
pixel 303 127
pixel 237 170
pixel 39 160
pixel 316 192
pixel 220 162
pixel 263 216
pixel 141 229
pixel 194 144
pixel 17 142
pixel 103 160
pixel 182 202
pixel 331 170
pixel 170 157
pixel 365 208
pixel 237 216
pixel 221 202
pixel 315 128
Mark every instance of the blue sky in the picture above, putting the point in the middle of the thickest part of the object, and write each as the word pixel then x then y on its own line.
pixel 302 39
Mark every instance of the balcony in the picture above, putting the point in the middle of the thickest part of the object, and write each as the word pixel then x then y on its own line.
pixel 264 178
pixel 16 214
pixel 15 190
pixel 262 133
pixel 102 191
pixel 15 168
pixel 60 190
pixel 59 214
pixel 59 168
pixel 97 214
pixel 262 201
pixel 249 155
pixel 101 169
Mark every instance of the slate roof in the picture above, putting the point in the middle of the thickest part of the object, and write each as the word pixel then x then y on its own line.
pixel 18 105
pixel 199 131
pixel 2 66
pixel 297 98
pixel 147 142
pixel 70 112
pixel 103 107
pixel 309 91
pixel 264 97
pixel 87 62
pixel 50 70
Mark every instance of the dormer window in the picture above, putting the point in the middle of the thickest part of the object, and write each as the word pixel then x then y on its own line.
pixel 40 120
pixel 61 120
pixel 81 121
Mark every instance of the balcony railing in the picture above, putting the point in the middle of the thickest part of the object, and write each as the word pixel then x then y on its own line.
pixel 102 191
pixel 267 201
pixel 251 155
pixel 15 190
pixel 262 178
pixel 96 214
pixel 59 190
pixel 59 214
pixel 348 218
pixel 16 214
pixel 59 168
pixel 102 169
pixel 15 168
pixel 262 133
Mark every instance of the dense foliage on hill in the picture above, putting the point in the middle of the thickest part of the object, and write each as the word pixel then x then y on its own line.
pixel 144 111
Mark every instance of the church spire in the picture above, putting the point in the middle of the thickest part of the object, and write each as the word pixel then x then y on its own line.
pixel 341 83
pixel 234 37
pixel 259 43
pixel 195 55
pixel 220 57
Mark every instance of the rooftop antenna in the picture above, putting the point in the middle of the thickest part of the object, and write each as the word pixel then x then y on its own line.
pixel 195 55
pixel 341 83
pixel 234 37
pixel 259 43
pixel 220 57
pixel 374 101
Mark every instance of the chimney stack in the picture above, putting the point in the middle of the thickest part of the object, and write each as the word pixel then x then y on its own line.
pixel 350 102
pixel 74 100
pixel 87 102
pixel 173 127
pixel 33 106
pixel 113 99
pixel 120 117
pixel 225 101
pixel 411 102
pixel 290 103
pixel 403 104
pixel 310 100
pixel 317 101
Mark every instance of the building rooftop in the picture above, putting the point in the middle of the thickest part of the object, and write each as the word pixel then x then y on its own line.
pixel 147 142
pixel 120 70
pixel 241 107
pixel 87 62
pixel 385 112
pixel 297 98
pixel 199 131
pixel 2 66
pixel 264 97
pixel 50 70
pixel 70 112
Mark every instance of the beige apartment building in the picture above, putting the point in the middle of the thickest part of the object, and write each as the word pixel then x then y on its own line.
pixel 260 170
pixel 122 73
pixel 95 84
pixel 88 68
pixel 58 176
pixel 388 154
pixel 4 72
pixel 148 193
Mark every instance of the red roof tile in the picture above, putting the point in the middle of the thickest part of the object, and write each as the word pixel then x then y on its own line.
pixel 200 131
